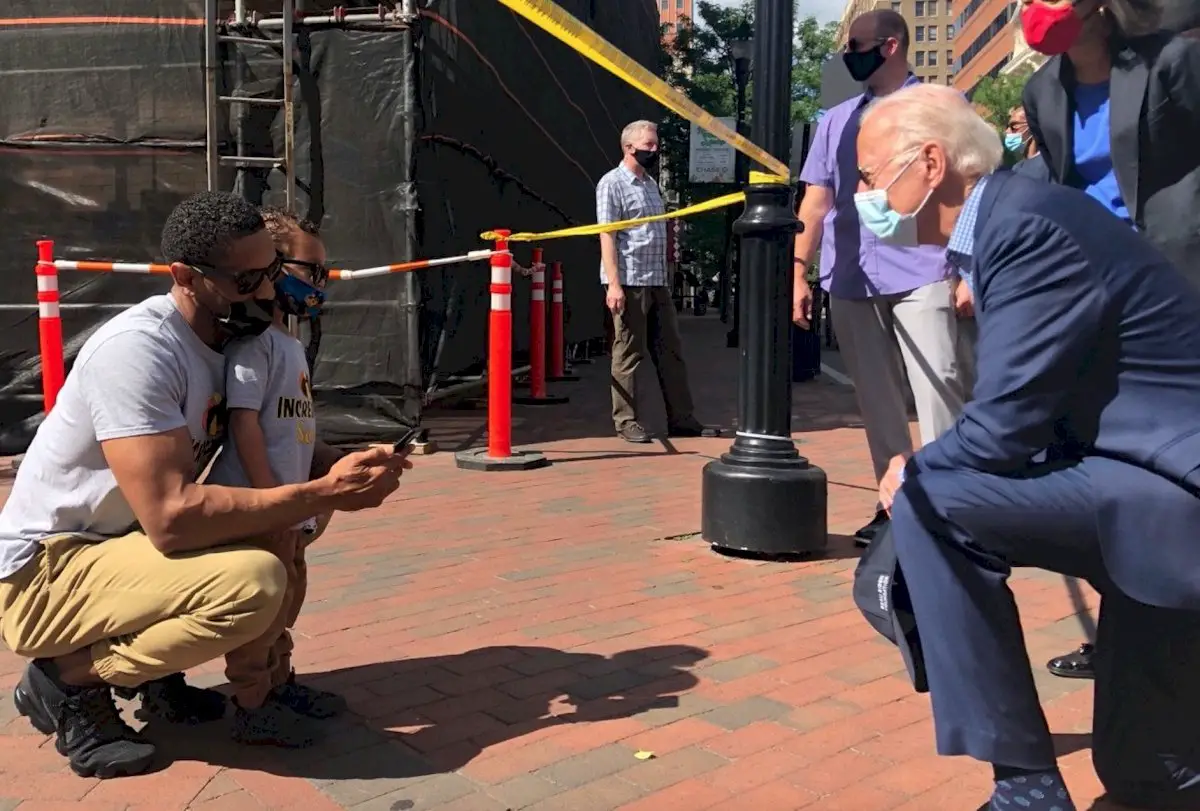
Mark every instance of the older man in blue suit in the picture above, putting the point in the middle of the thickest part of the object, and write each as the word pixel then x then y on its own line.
pixel 1080 453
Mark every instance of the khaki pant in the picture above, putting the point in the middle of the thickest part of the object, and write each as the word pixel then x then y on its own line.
pixel 143 614
pixel 257 668
pixel 883 337
pixel 648 323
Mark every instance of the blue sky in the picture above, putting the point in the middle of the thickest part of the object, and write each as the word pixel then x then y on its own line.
pixel 824 10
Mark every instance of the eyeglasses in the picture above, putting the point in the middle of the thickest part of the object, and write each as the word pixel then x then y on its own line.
pixel 868 177
pixel 854 45
pixel 246 281
pixel 317 270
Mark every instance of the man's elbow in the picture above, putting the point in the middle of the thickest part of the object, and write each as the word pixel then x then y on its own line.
pixel 171 526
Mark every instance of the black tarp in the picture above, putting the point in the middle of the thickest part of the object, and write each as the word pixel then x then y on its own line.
pixel 409 142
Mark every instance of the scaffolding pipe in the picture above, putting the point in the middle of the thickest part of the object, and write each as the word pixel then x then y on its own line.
pixel 441 394
pixel 212 147
pixel 333 19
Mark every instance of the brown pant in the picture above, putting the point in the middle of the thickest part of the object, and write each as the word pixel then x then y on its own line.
pixel 255 669
pixel 648 323
pixel 143 614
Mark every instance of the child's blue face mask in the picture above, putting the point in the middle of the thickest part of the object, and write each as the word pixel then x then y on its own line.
pixel 297 297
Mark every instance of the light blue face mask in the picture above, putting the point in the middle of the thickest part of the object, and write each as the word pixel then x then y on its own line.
pixel 877 214
pixel 1013 141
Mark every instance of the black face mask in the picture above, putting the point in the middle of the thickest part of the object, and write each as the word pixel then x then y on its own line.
pixel 862 65
pixel 248 319
pixel 646 159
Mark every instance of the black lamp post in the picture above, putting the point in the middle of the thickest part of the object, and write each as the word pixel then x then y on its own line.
pixel 762 496
pixel 740 51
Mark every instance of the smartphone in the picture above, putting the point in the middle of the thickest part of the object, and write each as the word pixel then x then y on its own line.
pixel 404 444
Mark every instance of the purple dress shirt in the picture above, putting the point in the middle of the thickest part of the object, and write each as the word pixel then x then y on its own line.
pixel 854 263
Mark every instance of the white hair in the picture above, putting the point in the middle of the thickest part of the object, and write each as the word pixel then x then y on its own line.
pixel 635 129
pixel 926 113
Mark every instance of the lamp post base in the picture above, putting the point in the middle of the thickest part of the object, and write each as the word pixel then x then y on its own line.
pixel 775 508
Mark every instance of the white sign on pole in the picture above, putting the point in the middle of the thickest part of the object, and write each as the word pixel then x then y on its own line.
pixel 711 160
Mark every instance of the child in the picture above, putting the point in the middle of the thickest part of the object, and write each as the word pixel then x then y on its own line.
pixel 272 433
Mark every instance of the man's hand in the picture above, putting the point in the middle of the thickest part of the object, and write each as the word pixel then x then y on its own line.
pixel 615 298
pixel 890 483
pixel 802 303
pixel 964 300
pixel 359 481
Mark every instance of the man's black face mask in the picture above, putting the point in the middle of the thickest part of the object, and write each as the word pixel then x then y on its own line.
pixel 863 64
pixel 647 159
pixel 248 319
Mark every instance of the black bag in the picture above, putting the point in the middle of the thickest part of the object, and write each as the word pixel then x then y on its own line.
pixel 882 597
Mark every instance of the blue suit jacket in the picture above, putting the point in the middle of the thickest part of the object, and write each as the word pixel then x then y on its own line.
pixel 1089 348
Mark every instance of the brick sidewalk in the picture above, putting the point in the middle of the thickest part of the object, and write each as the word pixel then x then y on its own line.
pixel 512 641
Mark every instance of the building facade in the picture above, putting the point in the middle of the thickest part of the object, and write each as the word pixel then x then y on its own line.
pixel 987 36
pixel 671 11
pixel 931 28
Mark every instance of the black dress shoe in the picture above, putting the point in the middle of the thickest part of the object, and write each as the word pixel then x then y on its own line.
pixel 691 428
pixel 633 432
pixel 1075 665
pixel 867 534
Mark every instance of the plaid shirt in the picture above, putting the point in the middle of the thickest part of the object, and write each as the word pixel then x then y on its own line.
pixel 642 249
pixel 960 249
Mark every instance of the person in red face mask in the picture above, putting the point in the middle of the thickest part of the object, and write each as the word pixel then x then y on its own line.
pixel 1115 112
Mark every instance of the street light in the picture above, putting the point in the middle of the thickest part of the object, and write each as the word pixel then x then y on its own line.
pixel 762 496
pixel 740 53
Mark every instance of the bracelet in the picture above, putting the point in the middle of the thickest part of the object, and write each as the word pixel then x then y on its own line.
pixel 800 262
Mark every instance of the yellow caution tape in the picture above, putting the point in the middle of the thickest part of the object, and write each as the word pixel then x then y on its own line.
pixel 554 20
pixel 609 227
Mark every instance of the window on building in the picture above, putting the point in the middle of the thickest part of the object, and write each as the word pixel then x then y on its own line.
pixel 933 59
pixel 679 5
pixel 933 33
pixel 950 61
pixel 896 6
pixel 664 5
pixel 949 12
pixel 931 8
pixel 920 10
pixel 920 61
pixel 949 78
pixel 919 32
pixel 949 32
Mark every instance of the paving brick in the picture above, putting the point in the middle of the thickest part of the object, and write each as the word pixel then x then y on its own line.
pixel 583 768
pixel 523 790
pixel 602 794
pixel 744 713
pixel 750 739
pixel 673 767
pixel 736 668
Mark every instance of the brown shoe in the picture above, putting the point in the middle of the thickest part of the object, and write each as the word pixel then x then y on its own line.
pixel 632 432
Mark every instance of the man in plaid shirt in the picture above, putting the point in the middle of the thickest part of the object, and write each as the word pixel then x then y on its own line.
pixel 633 268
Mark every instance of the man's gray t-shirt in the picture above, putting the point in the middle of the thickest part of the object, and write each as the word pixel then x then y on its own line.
pixel 145 372
pixel 269 374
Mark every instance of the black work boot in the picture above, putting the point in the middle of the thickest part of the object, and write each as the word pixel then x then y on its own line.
pixel 272 724
pixel 173 700
pixel 309 701
pixel 90 731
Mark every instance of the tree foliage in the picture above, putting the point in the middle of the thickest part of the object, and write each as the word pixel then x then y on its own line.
pixel 698 61
pixel 996 96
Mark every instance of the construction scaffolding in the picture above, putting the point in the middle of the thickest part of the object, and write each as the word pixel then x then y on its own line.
pixel 405 129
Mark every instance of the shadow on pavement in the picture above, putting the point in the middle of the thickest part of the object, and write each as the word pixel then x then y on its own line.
pixel 433 715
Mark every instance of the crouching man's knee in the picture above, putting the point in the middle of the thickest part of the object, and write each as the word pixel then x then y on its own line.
pixel 249 596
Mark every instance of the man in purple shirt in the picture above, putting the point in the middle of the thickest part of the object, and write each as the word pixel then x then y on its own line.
pixel 892 301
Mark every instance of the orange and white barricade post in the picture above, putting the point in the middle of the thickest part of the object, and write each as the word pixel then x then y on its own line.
pixel 499 453
pixel 558 335
pixel 537 339
pixel 50 331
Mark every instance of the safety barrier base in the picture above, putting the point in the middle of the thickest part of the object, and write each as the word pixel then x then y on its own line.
pixel 478 459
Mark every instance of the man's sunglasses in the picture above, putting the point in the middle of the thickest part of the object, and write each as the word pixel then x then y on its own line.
pixel 317 271
pixel 246 281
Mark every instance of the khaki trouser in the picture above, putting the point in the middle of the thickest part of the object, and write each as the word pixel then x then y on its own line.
pixel 143 614
pixel 264 664
pixel 648 323
pixel 883 337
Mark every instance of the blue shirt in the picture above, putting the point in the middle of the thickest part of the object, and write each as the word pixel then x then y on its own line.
pixel 641 249
pixel 1093 157
pixel 960 250
pixel 855 264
